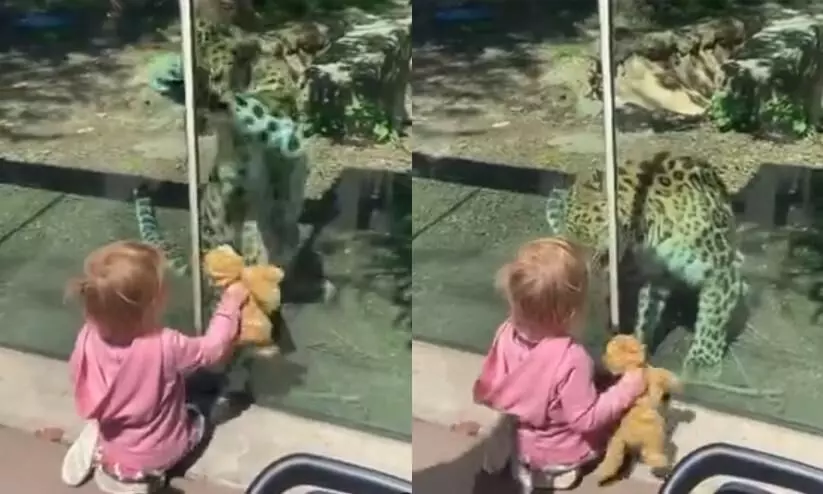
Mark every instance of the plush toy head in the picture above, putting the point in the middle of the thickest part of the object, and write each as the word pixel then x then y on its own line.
pixel 224 267
pixel 624 352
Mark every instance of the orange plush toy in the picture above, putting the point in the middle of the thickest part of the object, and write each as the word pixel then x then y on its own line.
pixel 224 267
pixel 643 428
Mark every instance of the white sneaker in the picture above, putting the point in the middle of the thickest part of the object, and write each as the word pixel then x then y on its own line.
pixel 557 481
pixel 79 459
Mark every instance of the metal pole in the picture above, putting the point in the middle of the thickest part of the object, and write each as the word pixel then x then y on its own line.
pixel 607 81
pixel 193 161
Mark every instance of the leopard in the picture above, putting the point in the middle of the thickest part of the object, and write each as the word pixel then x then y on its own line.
pixel 250 100
pixel 675 218
pixel 253 195
pixel 261 161
pixel 236 73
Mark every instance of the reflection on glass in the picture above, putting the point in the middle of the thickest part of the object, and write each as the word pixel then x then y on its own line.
pixel 352 354
pixel 717 112
pixel 282 101
pixel 468 219
pixel 79 130
pixel 505 117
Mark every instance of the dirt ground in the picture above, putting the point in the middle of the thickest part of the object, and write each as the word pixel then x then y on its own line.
pixel 90 107
pixel 512 90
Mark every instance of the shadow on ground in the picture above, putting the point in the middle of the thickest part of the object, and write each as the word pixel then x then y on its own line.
pixel 51 53
pixel 467 62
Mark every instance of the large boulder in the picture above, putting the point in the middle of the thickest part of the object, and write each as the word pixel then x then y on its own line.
pixel 674 71
pixel 357 87
pixel 773 84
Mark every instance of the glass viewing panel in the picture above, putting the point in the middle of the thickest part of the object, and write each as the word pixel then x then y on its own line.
pixel 732 212
pixel 79 132
pixel 735 101
pixel 313 166
pixel 504 118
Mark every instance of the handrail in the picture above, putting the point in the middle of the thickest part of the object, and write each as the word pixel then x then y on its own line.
pixel 305 470
pixel 742 463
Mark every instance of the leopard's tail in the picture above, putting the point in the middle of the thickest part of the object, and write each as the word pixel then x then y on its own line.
pixel 150 233
pixel 556 204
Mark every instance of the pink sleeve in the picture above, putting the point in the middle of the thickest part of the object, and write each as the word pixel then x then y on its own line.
pixel 192 352
pixel 584 408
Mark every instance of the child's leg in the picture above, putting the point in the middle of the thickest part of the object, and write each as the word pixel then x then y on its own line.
pixel 79 460
pixel 112 480
pixel 197 441
pixel 523 475
pixel 501 446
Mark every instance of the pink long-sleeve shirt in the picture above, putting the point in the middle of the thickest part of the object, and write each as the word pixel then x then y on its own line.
pixel 574 416
pixel 136 393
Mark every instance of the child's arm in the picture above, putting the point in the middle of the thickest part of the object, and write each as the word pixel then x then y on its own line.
pixel 584 408
pixel 191 353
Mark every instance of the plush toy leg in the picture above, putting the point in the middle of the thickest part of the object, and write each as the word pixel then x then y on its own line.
pixel 653 452
pixel 612 460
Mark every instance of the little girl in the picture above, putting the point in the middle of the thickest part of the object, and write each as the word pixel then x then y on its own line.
pixel 127 371
pixel 542 377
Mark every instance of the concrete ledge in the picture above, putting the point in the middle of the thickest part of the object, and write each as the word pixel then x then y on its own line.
pixel 35 393
pixel 441 393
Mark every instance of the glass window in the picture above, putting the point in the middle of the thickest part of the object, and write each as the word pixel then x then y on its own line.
pixel 718 114
pixel 310 173
pixel 81 130
pixel 505 120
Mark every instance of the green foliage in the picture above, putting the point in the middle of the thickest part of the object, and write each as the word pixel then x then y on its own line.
pixel 730 111
pixel 777 114
pixel 365 120
pixel 785 116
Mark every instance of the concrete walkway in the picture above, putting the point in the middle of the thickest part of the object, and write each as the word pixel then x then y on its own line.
pixel 29 465
pixel 446 462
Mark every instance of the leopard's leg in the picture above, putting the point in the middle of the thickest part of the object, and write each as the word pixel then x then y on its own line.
pixel 236 391
pixel 721 288
pixel 556 210
pixel 651 302
pixel 720 293
pixel 284 166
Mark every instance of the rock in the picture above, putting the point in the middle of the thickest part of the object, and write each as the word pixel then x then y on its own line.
pixel 357 87
pixel 773 84
pixel 673 72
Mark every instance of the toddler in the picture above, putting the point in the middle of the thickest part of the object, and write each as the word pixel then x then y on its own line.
pixel 127 371
pixel 542 377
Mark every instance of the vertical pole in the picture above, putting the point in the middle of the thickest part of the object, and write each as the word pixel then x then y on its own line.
pixel 193 158
pixel 606 65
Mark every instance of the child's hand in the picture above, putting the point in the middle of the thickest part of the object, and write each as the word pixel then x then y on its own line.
pixel 236 292
pixel 635 382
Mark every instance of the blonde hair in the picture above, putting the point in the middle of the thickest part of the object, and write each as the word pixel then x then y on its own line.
pixel 121 284
pixel 545 284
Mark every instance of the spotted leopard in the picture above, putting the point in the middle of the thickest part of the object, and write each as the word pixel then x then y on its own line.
pixel 250 100
pixel 235 73
pixel 253 196
pixel 675 215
